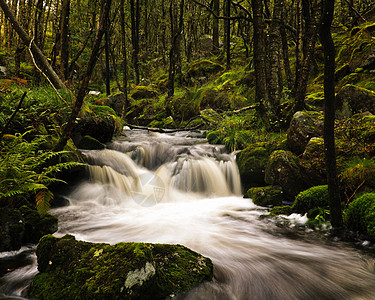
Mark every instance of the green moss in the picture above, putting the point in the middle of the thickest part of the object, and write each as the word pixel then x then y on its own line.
pixel 360 215
pixel 281 210
pixel 89 143
pixel 143 92
pixel 316 196
pixel 203 68
pixel 266 196
pixel 71 269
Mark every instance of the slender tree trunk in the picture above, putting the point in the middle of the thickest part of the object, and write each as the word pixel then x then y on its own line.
pixel 227 30
pixel 312 18
pixel 134 13
pixel 68 130
pixel 274 55
pixel 107 67
pixel 285 50
pixel 298 44
pixel 261 93
pixel 329 112
pixel 37 53
pixel 215 26
pixel 125 60
pixel 65 13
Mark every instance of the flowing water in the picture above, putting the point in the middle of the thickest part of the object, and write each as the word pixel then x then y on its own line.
pixel 171 188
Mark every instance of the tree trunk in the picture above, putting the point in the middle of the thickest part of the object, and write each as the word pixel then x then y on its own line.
pixel 134 14
pixel 227 32
pixel 274 55
pixel 215 26
pixel 68 130
pixel 285 50
pixel 37 53
pixel 259 41
pixel 107 67
pixel 65 13
pixel 312 18
pixel 329 112
pixel 125 60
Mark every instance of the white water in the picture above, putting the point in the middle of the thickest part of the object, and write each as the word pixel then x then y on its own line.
pixel 182 190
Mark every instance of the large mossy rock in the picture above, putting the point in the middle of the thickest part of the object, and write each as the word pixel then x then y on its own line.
pixel 116 102
pixel 143 92
pixel 11 229
pixel 283 169
pixel 313 163
pixel 360 215
pixel 304 126
pixel 71 269
pixel 22 226
pixel 266 196
pixel 252 164
pixel 316 196
pixel 352 99
pixel 200 71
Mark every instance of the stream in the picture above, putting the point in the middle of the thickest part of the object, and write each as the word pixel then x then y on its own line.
pixel 176 188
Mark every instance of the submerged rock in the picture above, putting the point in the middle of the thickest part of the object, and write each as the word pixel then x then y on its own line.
pixel 268 195
pixel 71 269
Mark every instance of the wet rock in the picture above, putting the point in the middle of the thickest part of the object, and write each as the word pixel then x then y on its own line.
pixel 98 128
pixel 37 226
pixel 352 99
pixel 283 169
pixel 11 229
pixel 71 269
pixel 267 196
pixel 304 126
pixel 89 143
pixel 251 164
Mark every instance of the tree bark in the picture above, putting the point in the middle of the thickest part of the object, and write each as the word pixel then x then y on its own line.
pixel 329 112
pixel 107 67
pixel 68 130
pixel 125 60
pixel 259 46
pixel 215 26
pixel 37 53
pixel 64 49
pixel 134 14
pixel 227 32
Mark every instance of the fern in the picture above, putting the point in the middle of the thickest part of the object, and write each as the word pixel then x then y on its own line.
pixel 27 171
pixel 42 201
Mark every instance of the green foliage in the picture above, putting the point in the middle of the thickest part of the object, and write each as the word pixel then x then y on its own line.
pixel 358 172
pixel 281 210
pixel 316 196
pixel 360 215
pixel 27 171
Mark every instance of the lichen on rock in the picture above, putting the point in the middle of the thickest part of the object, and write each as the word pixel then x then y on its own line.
pixel 71 269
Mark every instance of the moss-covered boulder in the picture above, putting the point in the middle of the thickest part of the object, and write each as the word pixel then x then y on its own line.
pixel 313 163
pixel 283 169
pixel 304 126
pixel 267 195
pixel 352 99
pixel 37 226
pixel 116 102
pixel 316 196
pixel 281 210
pixel 252 164
pixel 71 269
pixel 11 229
pixel 199 72
pixel 360 215
pixel 89 143
pixel 143 92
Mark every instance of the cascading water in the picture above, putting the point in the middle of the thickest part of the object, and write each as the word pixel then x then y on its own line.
pixel 164 188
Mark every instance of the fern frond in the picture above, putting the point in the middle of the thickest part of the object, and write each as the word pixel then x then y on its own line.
pixel 42 201
pixel 33 187
pixel 61 167
pixel 12 194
